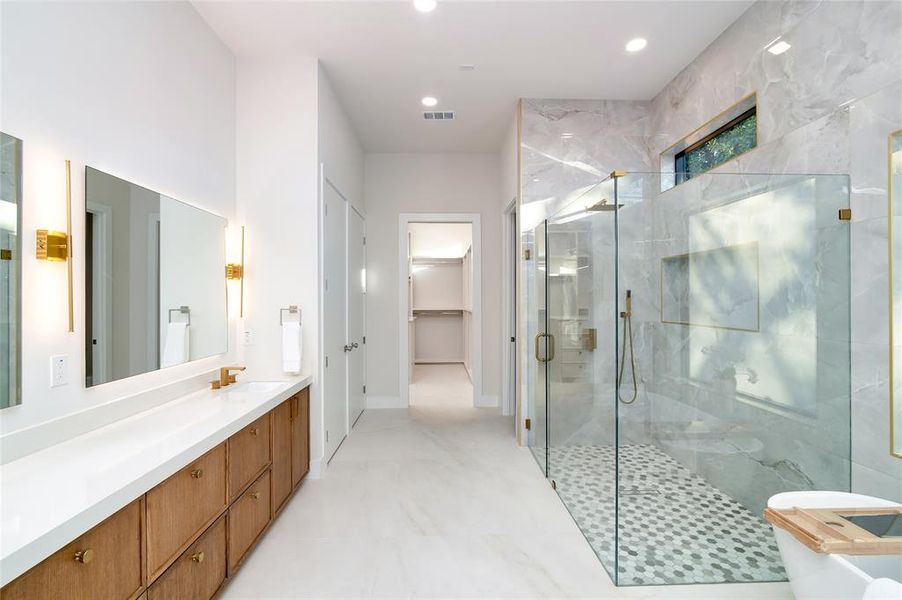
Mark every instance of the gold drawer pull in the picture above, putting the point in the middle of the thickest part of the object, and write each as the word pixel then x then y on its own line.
pixel 198 557
pixel 255 495
pixel 253 431
pixel 84 556
pixel 197 473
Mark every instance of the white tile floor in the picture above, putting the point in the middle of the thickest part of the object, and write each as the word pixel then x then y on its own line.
pixel 437 502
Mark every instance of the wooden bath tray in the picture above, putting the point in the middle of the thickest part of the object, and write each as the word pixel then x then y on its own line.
pixel 827 531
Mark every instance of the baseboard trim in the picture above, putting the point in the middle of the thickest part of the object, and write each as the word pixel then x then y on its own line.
pixel 487 402
pixel 316 468
pixel 378 402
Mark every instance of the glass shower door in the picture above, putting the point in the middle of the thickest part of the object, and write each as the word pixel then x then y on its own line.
pixel 536 329
pixel 581 296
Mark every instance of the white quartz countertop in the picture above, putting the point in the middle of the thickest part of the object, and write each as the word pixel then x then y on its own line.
pixel 50 497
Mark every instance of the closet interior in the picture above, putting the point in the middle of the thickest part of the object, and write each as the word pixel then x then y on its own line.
pixel 440 293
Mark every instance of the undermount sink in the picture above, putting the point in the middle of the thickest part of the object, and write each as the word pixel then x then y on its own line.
pixel 255 386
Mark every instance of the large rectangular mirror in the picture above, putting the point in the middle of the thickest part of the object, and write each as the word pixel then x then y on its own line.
pixel 10 269
pixel 155 288
pixel 895 257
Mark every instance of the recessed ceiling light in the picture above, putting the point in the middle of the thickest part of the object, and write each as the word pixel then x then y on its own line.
pixel 636 44
pixel 778 46
pixel 466 67
pixel 566 136
pixel 425 5
pixel 429 101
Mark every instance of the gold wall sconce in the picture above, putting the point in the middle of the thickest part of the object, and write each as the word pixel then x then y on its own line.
pixel 56 246
pixel 235 272
pixel 52 245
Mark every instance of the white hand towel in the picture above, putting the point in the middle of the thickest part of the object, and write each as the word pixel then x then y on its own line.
pixel 176 346
pixel 291 347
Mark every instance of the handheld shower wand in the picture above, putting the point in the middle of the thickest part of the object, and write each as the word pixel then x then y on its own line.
pixel 627 316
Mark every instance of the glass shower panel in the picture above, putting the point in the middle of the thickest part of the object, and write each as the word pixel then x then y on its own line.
pixel 534 243
pixel 581 375
pixel 739 327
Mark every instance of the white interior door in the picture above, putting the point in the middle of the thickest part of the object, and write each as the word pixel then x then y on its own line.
pixel 335 311
pixel 356 315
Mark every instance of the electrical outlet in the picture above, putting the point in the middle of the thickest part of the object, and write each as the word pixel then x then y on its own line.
pixel 59 370
pixel 249 338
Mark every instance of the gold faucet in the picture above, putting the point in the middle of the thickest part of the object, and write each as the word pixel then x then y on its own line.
pixel 225 377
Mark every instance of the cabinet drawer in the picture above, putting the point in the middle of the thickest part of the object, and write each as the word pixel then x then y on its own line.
pixel 103 563
pixel 248 517
pixel 248 454
pixel 199 571
pixel 182 506
pixel 281 455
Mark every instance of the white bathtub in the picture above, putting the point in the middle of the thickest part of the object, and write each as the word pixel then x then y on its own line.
pixel 815 576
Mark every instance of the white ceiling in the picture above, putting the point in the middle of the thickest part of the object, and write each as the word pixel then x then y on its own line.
pixel 440 240
pixel 383 56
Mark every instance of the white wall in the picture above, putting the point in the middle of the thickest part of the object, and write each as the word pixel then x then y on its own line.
pixel 144 91
pixel 423 183
pixel 509 157
pixel 278 202
pixel 340 152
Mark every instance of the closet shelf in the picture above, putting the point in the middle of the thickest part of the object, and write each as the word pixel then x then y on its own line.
pixel 438 311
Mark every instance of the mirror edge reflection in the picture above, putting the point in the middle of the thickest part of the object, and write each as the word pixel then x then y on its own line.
pixel 15 172
pixel 894 194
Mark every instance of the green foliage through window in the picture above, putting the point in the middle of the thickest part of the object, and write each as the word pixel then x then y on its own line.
pixel 734 138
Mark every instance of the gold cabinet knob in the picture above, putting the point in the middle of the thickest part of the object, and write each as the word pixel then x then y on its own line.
pixel 197 557
pixel 197 473
pixel 84 556
pixel 253 431
pixel 255 495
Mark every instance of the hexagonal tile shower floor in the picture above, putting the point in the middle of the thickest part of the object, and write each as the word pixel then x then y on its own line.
pixel 674 526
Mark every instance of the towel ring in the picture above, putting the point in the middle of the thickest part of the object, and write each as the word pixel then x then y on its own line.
pixel 183 310
pixel 292 310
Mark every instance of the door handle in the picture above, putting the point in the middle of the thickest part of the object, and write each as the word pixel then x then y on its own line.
pixel 549 347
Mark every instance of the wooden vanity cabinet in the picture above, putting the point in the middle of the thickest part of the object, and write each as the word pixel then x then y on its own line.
pixel 184 537
pixel 106 562
pixel 248 517
pixel 199 572
pixel 300 436
pixel 249 454
pixel 281 455
pixel 181 507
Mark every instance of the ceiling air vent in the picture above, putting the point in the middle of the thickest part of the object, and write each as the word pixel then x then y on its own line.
pixel 439 115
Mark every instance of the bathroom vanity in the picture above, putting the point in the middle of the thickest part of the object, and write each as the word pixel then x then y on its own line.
pixel 164 504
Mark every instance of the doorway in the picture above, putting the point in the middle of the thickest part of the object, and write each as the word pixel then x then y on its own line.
pixel 440 349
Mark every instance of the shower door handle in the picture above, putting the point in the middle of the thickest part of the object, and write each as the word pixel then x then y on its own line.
pixel 549 347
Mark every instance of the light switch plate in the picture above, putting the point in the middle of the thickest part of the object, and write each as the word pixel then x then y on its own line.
pixel 59 370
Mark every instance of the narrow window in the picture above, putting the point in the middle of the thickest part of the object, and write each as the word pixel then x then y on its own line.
pixel 732 139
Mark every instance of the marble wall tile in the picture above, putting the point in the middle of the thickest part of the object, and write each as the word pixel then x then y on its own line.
pixel 825 106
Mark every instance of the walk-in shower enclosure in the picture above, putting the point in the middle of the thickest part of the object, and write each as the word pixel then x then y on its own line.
pixel 733 364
